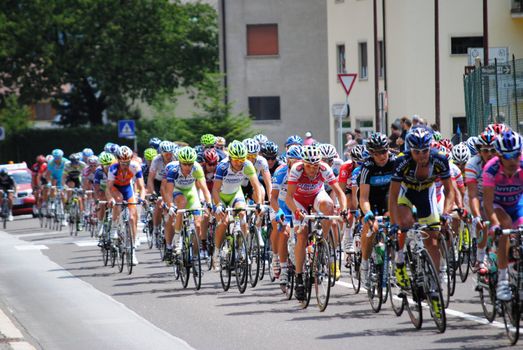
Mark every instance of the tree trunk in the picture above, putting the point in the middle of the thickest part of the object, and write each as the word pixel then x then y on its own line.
pixel 95 105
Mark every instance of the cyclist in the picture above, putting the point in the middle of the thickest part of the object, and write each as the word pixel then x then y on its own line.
pixel 89 171
pixel 261 139
pixel 474 181
pixel 227 191
pixel 220 146
pixel 412 184
pixel 184 179
pixel 293 140
pixel 149 154
pixel 154 180
pixel 120 188
pixel 38 182
pixel 55 168
pixel 376 174
pixel 209 162
pixel 279 192
pixel 72 177
pixel 503 199
pixel 305 188
pixel 100 185
pixel 270 152
pixel 261 166
pixel 155 143
pixel 460 156
pixel 86 153
pixel 8 183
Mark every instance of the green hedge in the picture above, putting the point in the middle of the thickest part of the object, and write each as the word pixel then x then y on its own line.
pixel 26 145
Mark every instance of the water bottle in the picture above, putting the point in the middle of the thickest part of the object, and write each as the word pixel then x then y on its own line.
pixel 357 243
pixel 291 243
pixel 380 252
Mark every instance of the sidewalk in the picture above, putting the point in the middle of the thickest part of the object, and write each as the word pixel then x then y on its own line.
pixel 10 336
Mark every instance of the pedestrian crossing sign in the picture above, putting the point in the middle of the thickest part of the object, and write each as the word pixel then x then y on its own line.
pixel 126 128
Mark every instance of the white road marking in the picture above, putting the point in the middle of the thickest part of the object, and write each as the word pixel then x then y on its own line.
pixel 8 328
pixel 31 247
pixel 22 345
pixel 86 243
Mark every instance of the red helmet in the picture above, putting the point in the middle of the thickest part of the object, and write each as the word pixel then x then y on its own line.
pixel 446 143
pixel 210 156
pixel 497 128
pixel 40 159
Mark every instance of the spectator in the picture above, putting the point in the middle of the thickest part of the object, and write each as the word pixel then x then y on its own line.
pixel 308 139
pixel 406 124
pixel 358 137
pixel 395 133
pixel 349 145
pixel 416 120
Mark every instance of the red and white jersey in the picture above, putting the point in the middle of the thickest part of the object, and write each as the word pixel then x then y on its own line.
pixel 345 174
pixel 309 187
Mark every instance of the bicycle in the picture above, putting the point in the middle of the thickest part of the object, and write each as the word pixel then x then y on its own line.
pixel 267 254
pixel 90 219
pixel 486 283
pixel 74 211
pixel 5 211
pixel 464 244
pixel 448 261
pixel 56 214
pixel 210 247
pixel 353 262
pixel 189 258
pixel 255 251
pixel 105 244
pixel 147 219
pixel 424 281
pixel 125 243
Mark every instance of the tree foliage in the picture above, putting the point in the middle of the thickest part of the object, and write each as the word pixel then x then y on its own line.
pixel 14 117
pixel 106 53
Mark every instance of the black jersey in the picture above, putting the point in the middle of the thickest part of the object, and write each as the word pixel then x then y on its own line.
pixel 378 178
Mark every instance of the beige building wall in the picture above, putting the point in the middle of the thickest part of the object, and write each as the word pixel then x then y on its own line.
pixel 410 53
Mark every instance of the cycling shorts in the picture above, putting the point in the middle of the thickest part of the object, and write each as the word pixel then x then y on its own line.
pixel 303 203
pixel 425 202
pixel 74 180
pixel 191 195
pixel 230 199
pixel 126 191
pixel 157 185
pixel 515 212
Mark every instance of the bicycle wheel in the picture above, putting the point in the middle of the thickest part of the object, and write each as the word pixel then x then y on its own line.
pixel 452 262
pixel 120 255
pixel 433 292
pixel 464 244
pixel 416 292
pixel 255 257
pixel 397 296
pixel 322 273
pixel 270 256
pixel 114 255
pixel 241 262
pixel 226 255
pixel 354 270
pixel 148 229
pixel 289 288
pixel 105 249
pixel 183 260
pixel 129 247
pixel 332 249
pixel 196 265
pixel 210 245
pixel 308 279
pixel 487 295
pixel 473 252
pixel 266 251
pixel 512 315
pixel 374 292
pixel 445 278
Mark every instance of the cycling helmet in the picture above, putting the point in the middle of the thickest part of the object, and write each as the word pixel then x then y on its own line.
pixel 253 147
pixel 87 152
pixel 187 155
pixel 261 139
pixel 49 158
pixel 486 138
pixel 40 159
pixel 150 153
pixel 269 149
pixel 199 148
pixel 472 144
pixel 3 171
pixel 237 150
pixel 74 158
pixel 125 154
pixel 294 140
pixel 327 151
pixel 208 140
pixel 460 153
pixel 419 138
pixel 358 153
pixel 220 141
pixel 92 160
pixel 446 143
pixel 166 147
pixel 57 153
pixel 155 143
pixel 437 136
pixel 107 147
pixel 114 149
pixel 295 152
pixel 508 142
pixel 311 154
pixel 445 151
pixel 497 128
pixel 377 141
pixel 106 158
pixel 210 156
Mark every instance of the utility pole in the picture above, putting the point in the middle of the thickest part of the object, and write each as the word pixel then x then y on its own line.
pixel 376 68
pixel 436 62
pixel 485 33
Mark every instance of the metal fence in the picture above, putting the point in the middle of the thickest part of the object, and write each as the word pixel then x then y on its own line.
pixel 494 94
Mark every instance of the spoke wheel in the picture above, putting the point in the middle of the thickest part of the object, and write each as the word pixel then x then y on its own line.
pixel 354 262
pixel 464 244
pixel 322 273
pixel 255 257
pixel 289 288
pixel 511 317
pixel 196 265
pixel 149 230
pixel 445 267
pixel 129 247
pixel 374 292
pixel 210 245
pixel 487 295
pixel 397 296
pixel 416 292
pixel 226 256
pixel 241 262
pixel 433 292
pixel 120 256
pixel 183 261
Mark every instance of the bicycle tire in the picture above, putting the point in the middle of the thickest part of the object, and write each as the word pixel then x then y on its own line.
pixel 452 262
pixel 196 264
pixel 182 261
pixel 332 249
pixel 354 271
pixel 397 296
pixel 129 247
pixel 375 290
pixel 226 256
pixel 210 245
pixel 322 273
pixel 307 280
pixel 105 252
pixel 267 249
pixel 289 288
pixel 114 256
pixel 487 297
pixel 241 262
pixel 413 308
pixel 473 252
pixel 255 257
pixel 511 316
pixel 464 244
pixel 120 257
pixel 444 259
pixel 149 227
pixel 433 291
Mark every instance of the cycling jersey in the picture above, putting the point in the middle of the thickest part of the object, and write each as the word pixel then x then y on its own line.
pixel 455 175
pixel 308 189
pixel 184 185
pixel 276 165
pixel 123 179
pixel 507 190
pixel 74 171
pixel 406 166
pixel 260 165
pixel 100 178
pixel 345 174
pixel 279 181
pixel 474 173
pixel 336 166
pixel 7 183
pixel 158 166
pixel 38 170
pixel 145 170
pixel 56 170
pixel 231 191
pixel 88 173
pixel 378 178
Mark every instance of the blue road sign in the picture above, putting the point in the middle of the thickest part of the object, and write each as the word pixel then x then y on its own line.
pixel 126 128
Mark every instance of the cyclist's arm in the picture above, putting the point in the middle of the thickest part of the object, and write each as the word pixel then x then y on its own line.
pixel 266 175
pixel 354 197
pixel 340 194
pixel 257 189
pixel 108 188
pixel 289 199
pixel 167 197
pixel 472 187
pixel 448 190
pixel 150 181
pixel 216 188
pixel 394 192
pixel 488 204
pixel 202 186
pixel 141 187
pixel 458 193
pixel 274 199
pixel 364 198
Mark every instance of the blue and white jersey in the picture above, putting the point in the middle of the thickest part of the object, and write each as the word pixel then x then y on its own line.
pixel 232 181
pixel 100 178
pixel 260 165
pixel 174 175
pixel 279 181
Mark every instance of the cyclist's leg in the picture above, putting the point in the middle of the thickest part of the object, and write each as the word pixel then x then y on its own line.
pixel 324 204
pixel 301 239
pixel 157 211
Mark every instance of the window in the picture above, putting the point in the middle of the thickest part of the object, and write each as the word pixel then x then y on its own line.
pixel 459 45
pixel 262 39
pixel 340 54
pixel 363 60
pixel 265 108
pixel 381 60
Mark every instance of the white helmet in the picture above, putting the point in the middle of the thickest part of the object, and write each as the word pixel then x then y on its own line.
pixel 461 153
pixel 253 147
pixel 311 154
pixel 327 151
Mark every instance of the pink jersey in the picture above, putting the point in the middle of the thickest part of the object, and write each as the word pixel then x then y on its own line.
pixel 308 188
pixel 507 190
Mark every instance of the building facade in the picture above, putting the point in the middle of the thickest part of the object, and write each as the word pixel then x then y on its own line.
pixel 274 56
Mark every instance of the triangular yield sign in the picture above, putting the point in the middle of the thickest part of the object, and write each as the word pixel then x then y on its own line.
pixel 347 81
pixel 127 130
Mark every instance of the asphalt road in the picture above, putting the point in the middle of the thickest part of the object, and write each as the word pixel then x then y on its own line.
pixel 59 291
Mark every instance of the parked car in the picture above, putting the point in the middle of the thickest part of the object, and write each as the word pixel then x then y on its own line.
pixel 24 200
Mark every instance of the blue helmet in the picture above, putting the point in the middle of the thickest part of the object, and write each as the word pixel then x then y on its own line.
pixel 87 152
pixel 107 147
pixel 3 171
pixel 471 144
pixel 57 153
pixel 294 140
pixel 155 143
pixel 419 138
pixel 294 152
pixel 114 149
pixel 508 142
pixel 270 149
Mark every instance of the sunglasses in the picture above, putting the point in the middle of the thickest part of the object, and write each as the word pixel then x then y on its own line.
pixel 125 163
pixel 511 155
pixel 239 159
pixel 420 151
pixel 487 150
pixel 270 158
pixel 212 164
pixel 187 164
pixel 380 152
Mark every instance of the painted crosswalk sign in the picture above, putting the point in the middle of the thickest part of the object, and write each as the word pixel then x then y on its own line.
pixel 126 128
